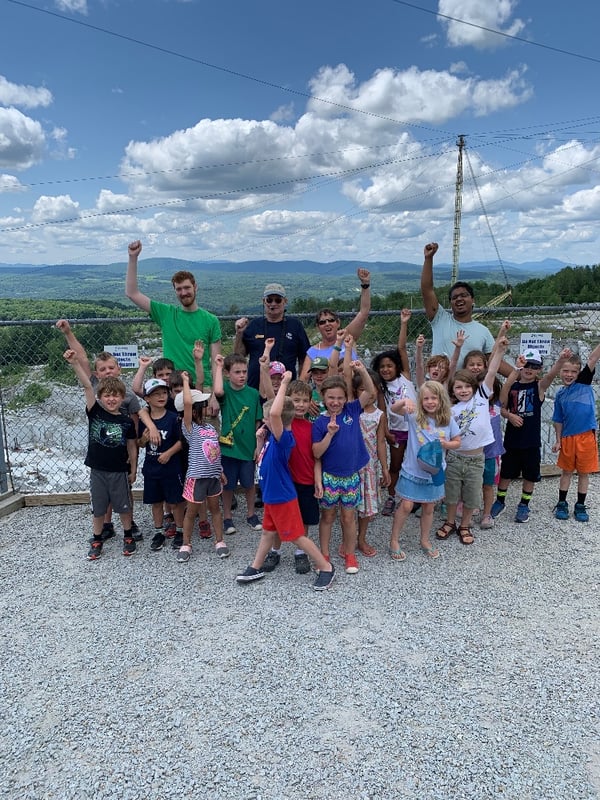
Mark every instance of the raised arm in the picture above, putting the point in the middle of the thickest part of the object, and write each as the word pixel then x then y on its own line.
pixel 198 354
pixel 357 325
pixel 545 382
pixel 275 420
pixel 370 392
pixel 187 401
pixel 74 344
pixel 419 363
pixel 458 344
pixel 499 349
pixel 82 376
pixel 430 300
pixel 218 376
pixel 137 384
pixel 265 384
pixel 131 281
pixel 593 359
pixel 238 343
pixel 405 316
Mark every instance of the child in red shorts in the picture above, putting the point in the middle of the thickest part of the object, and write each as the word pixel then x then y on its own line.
pixel 281 510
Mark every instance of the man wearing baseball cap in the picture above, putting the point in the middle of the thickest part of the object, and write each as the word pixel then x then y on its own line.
pixel 291 341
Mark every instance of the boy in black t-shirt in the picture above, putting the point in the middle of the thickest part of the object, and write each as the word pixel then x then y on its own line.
pixel 111 454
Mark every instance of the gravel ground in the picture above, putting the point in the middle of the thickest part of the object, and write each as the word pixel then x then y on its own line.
pixel 473 676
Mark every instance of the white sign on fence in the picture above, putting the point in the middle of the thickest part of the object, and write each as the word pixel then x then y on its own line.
pixel 126 354
pixel 539 341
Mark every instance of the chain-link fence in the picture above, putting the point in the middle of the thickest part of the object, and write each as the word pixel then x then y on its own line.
pixel 43 425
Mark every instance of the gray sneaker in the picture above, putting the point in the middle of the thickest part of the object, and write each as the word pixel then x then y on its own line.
pixel 271 561
pixel 250 574
pixel 324 580
pixel 302 563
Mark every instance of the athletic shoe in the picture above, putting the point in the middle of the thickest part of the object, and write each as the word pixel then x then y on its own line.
pixel 580 513
pixel 254 522
pixel 302 564
pixel 128 546
pixel 228 526
pixel 497 509
pixel 204 529
pixel 95 550
pixel 250 574
pixel 184 553
pixel 388 507
pixel 177 540
pixel 272 560
pixel 222 550
pixel 108 531
pixel 324 580
pixel 136 535
pixel 561 510
pixel 351 564
pixel 487 522
pixel 522 514
pixel 158 541
pixel 169 526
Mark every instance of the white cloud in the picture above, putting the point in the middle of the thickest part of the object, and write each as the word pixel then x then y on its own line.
pixel 283 113
pixel 10 183
pixel 22 139
pixel 48 209
pixel 280 222
pixel 14 94
pixel 79 6
pixel 492 14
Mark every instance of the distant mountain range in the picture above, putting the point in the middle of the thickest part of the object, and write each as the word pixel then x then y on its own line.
pixel 228 285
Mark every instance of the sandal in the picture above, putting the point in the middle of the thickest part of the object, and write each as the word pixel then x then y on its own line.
pixel 465 534
pixel 430 550
pixel 367 550
pixel 397 555
pixel 446 531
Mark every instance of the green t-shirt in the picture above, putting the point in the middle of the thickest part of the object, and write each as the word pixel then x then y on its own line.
pixel 240 411
pixel 180 329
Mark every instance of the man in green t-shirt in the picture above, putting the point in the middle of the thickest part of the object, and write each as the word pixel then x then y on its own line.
pixel 181 325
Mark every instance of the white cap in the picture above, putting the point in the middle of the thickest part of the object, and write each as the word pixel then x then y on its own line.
pixel 154 383
pixel 533 355
pixel 197 397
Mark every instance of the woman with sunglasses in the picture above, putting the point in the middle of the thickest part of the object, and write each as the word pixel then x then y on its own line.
pixel 291 341
pixel 328 324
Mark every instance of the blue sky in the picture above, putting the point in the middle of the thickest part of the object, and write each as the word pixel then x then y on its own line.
pixel 200 128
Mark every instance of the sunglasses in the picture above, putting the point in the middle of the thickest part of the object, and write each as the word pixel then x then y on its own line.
pixel 327 321
pixel 274 299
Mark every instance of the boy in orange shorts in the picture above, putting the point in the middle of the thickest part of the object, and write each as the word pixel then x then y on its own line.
pixel 575 424
pixel 281 510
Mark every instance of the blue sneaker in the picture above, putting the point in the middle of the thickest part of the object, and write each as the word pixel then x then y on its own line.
pixel 561 510
pixel 522 514
pixel 580 513
pixel 497 509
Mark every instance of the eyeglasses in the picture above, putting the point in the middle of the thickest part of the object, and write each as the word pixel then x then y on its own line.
pixel 327 321
pixel 274 299
pixel 460 296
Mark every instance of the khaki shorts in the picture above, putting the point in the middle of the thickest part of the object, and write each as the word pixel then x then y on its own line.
pixel 464 479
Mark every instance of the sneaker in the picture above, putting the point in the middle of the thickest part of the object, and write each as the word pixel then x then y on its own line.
pixel 250 574
pixel 302 564
pixel 254 522
pixel 388 507
pixel 351 563
pixel 136 535
pixel 522 514
pixel 128 546
pixel 158 541
pixel 271 561
pixel 487 522
pixel 204 529
pixel 580 513
pixel 561 510
pixel 228 526
pixel 222 550
pixel 108 531
pixel 95 550
pixel 169 526
pixel 177 540
pixel 184 553
pixel 497 509
pixel 324 580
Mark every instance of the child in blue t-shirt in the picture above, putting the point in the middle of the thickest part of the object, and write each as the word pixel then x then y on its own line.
pixel 281 510
pixel 338 442
pixel 575 425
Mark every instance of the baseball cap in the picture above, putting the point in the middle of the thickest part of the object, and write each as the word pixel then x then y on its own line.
pixel 533 357
pixel 197 397
pixel 274 288
pixel 153 384
pixel 320 362
pixel 276 368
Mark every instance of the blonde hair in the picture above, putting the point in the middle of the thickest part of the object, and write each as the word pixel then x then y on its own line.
pixel 442 414
pixel 288 412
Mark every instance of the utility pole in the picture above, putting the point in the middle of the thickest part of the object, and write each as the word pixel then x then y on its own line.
pixel 457 208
